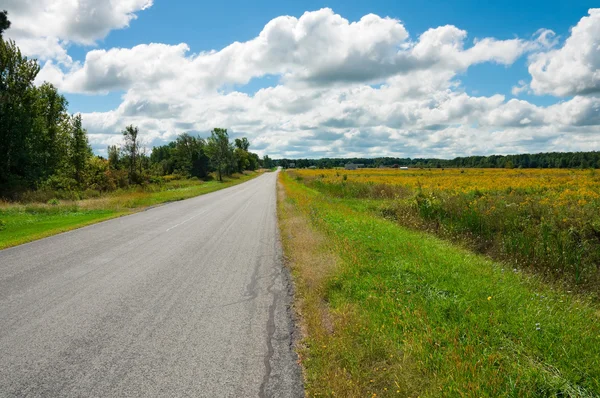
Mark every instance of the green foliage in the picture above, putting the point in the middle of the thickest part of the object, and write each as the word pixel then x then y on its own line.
pixel 220 151
pixel 114 157
pixel 20 142
pixel 242 143
pixel 80 151
pixel 131 151
pixel 268 162
pixel 189 156
pixel 4 22
pixel 185 156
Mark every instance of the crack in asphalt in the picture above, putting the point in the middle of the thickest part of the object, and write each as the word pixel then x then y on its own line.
pixel 270 335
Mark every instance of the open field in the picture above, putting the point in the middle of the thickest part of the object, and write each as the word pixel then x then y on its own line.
pixel 542 220
pixel 389 311
pixel 21 223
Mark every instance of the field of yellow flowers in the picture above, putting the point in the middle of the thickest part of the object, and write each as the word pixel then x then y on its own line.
pixel 544 220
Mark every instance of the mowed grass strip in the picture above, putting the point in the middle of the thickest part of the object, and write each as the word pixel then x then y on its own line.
pixel 20 223
pixel 411 315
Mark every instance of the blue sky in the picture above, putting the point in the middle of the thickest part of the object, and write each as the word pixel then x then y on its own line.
pixel 382 86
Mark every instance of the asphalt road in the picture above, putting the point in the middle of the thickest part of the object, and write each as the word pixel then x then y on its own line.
pixel 185 299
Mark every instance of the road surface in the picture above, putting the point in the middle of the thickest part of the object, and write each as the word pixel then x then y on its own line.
pixel 185 299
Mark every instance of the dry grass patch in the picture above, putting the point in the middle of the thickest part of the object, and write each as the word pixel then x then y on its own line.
pixel 312 263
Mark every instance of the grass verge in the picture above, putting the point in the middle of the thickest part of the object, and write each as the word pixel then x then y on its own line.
pixel 20 223
pixel 393 312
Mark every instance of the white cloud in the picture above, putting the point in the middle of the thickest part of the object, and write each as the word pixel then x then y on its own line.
pixel 363 88
pixel 574 68
pixel 522 87
pixel 37 23
pixel 318 49
pixel 120 69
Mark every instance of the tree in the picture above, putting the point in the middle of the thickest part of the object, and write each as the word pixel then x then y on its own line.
pixel 80 150
pixel 268 162
pixel 189 156
pixel 131 148
pixel 113 157
pixel 219 151
pixel 18 127
pixel 4 22
pixel 242 143
pixel 163 159
pixel 242 159
pixel 254 161
pixel 52 125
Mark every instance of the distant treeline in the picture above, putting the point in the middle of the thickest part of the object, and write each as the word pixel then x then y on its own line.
pixel 562 160
pixel 43 147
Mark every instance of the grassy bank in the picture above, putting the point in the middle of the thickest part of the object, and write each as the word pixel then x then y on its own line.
pixel 387 311
pixel 21 223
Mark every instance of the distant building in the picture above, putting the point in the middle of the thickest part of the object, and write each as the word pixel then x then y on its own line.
pixel 292 165
pixel 403 168
pixel 312 167
pixel 354 166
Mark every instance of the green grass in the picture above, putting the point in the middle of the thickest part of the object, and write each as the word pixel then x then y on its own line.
pixel 20 226
pixel 22 223
pixel 412 315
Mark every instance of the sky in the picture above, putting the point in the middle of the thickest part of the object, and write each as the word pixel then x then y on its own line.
pixel 326 78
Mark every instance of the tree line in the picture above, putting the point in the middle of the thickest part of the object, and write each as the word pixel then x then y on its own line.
pixel 42 146
pixel 561 160
pixel 195 156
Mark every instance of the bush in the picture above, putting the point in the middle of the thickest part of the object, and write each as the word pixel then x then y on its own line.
pixel 59 182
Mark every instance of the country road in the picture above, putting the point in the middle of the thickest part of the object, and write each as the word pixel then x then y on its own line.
pixel 185 299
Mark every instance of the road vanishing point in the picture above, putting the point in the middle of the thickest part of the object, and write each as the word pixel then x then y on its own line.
pixel 185 299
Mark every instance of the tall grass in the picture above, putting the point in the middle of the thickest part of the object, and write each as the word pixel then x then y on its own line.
pixel 541 223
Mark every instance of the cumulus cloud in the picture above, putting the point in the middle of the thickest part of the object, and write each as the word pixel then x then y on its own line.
pixel 573 69
pixel 43 28
pixel 522 87
pixel 318 49
pixel 119 69
pixel 342 88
